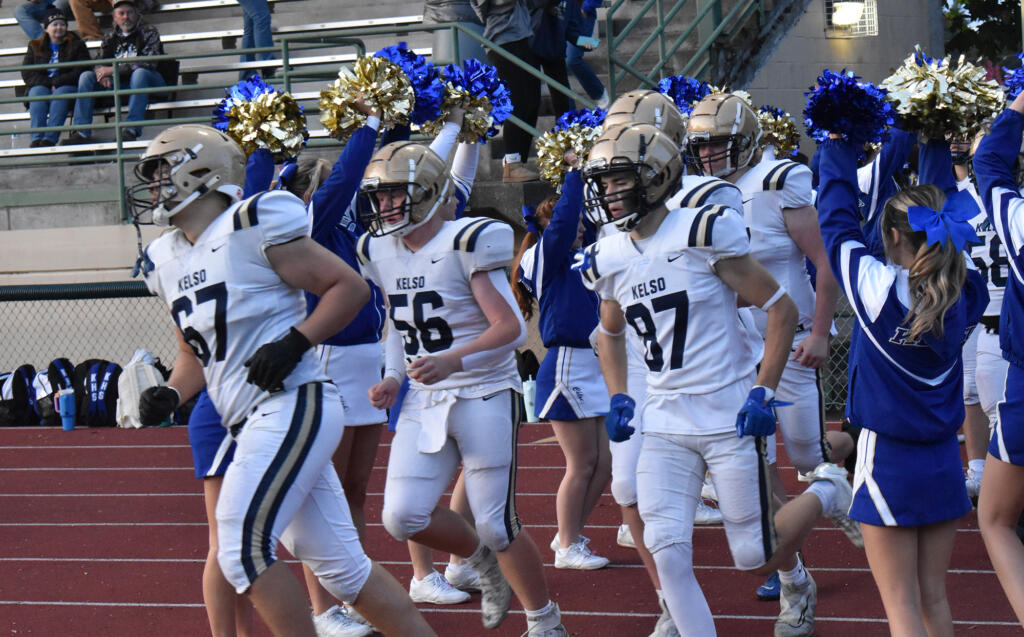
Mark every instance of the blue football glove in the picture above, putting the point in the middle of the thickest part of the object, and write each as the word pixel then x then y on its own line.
pixel 619 414
pixel 757 417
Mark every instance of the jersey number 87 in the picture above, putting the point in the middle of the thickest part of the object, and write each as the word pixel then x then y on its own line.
pixel 639 316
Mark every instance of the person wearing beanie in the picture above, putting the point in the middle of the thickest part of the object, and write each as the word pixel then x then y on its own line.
pixel 30 14
pixel 56 44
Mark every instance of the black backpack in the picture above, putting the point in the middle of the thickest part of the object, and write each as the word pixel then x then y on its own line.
pixel 96 393
pixel 20 409
pixel 59 374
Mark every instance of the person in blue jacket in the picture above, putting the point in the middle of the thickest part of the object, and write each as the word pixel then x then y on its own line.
pixel 1002 485
pixel 574 52
pixel 914 309
pixel 555 24
pixel 571 393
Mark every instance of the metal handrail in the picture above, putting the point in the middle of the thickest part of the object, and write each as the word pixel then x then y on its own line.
pixel 619 69
pixel 286 47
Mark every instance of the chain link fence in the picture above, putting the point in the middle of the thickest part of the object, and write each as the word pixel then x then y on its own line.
pixel 112 320
pixel 96 320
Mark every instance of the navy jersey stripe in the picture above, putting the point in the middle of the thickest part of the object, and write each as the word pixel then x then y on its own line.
pixel 475 234
pixel 776 177
pixel 363 248
pixel 459 240
pixel 246 216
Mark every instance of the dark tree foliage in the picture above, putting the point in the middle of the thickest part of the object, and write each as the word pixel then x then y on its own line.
pixel 983 28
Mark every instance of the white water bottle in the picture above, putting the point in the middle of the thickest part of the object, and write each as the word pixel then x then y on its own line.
pixel 530 399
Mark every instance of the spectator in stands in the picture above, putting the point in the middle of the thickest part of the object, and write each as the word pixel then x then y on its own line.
pixel 574 54
pixel 86 18
pixel 30 14
pixel 557 23
pixel 131 37
pixel 460 11
pixel 507 23
pixel 256 33
pixel 56 44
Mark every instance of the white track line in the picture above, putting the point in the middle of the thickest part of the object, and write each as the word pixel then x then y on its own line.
pixel 95 447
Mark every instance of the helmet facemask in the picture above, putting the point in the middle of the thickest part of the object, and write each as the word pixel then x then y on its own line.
pixel 733 148
pixel 380 222
pixel 597 198
pixel 161 178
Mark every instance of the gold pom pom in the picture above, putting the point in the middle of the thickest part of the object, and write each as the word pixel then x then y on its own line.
pixel 779 131
pixel 555 143
pixel 936 97
pixel 476 122
pixel 379 81
pixel 273 121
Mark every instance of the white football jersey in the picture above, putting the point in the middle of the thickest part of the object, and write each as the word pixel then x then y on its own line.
pixel 696 191
pixel 228 301
pixel 768 188
pixel 429 297
pixel 989 257
pixel 683 317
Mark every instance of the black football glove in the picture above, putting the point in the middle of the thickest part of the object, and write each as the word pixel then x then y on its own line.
pixel 156 405
pixel 272 362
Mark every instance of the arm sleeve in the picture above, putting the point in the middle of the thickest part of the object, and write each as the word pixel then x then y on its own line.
pixel 151 45
pixel 464 167
pixel 865 280
pixel 573 23
pixel 259 172
pixel 445 140
pixel 935 166
pixel 498 355
pixel 994 166
pixel 70 75
pixel 556 242
pixel 394 355
pixel 36 77
pixel 332 203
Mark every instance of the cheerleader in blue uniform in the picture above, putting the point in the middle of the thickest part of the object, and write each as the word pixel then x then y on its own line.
pixel 570 389
pixel 914 310
pixel 1002 485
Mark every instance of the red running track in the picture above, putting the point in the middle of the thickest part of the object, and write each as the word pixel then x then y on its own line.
pixel 102 533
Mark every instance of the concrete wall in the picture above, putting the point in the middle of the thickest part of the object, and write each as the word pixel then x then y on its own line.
pixel 805 51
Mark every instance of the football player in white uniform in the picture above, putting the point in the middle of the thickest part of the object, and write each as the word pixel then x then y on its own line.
pixel 672 276
pixel 454 327
pixel 232 274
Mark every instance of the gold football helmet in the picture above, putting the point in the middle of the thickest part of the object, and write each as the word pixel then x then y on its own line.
pixel 182 164
pixel 727 127
pixel 648 107
pixel 418 181
pixel 644 154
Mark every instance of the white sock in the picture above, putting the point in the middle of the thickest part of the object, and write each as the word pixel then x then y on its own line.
pixel 512 158
pixel 795 577
pixel 540 612
pixel 826 492
pixel 477 555
pixel 977 466
pixel 661 596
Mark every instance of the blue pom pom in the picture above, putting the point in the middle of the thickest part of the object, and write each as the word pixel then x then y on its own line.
pixel 774 111
pixel 426 82
pixel 1014 81
pixel 586 117
pixel 243 91
pixel 841 104
pixel 684 91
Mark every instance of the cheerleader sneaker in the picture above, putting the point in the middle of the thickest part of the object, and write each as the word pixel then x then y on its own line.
pixel 664 627
pixel 495 591
pixel 547 625
pixel 355 616
pixel 796 617
pixel 555 544
pixel 625 537
pixel 578 556
pixel 435 589
pixel 333 622
pixel 462 576
pixel 706 514
pixel 841 500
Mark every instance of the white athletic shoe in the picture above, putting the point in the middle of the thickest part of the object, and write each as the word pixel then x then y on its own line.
pixel 462 576
pixel 625 537
pixel 555 544
pixel 333 622
pixel 495 591
pixel 547 625
pixel 841 503
pixel 796 617
pixel 355 616
pixel 604 100
pixel 665 627
pixel 434 589
pixel 706 514
pixel 973 483
pixel 707 491
pixel 578 556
